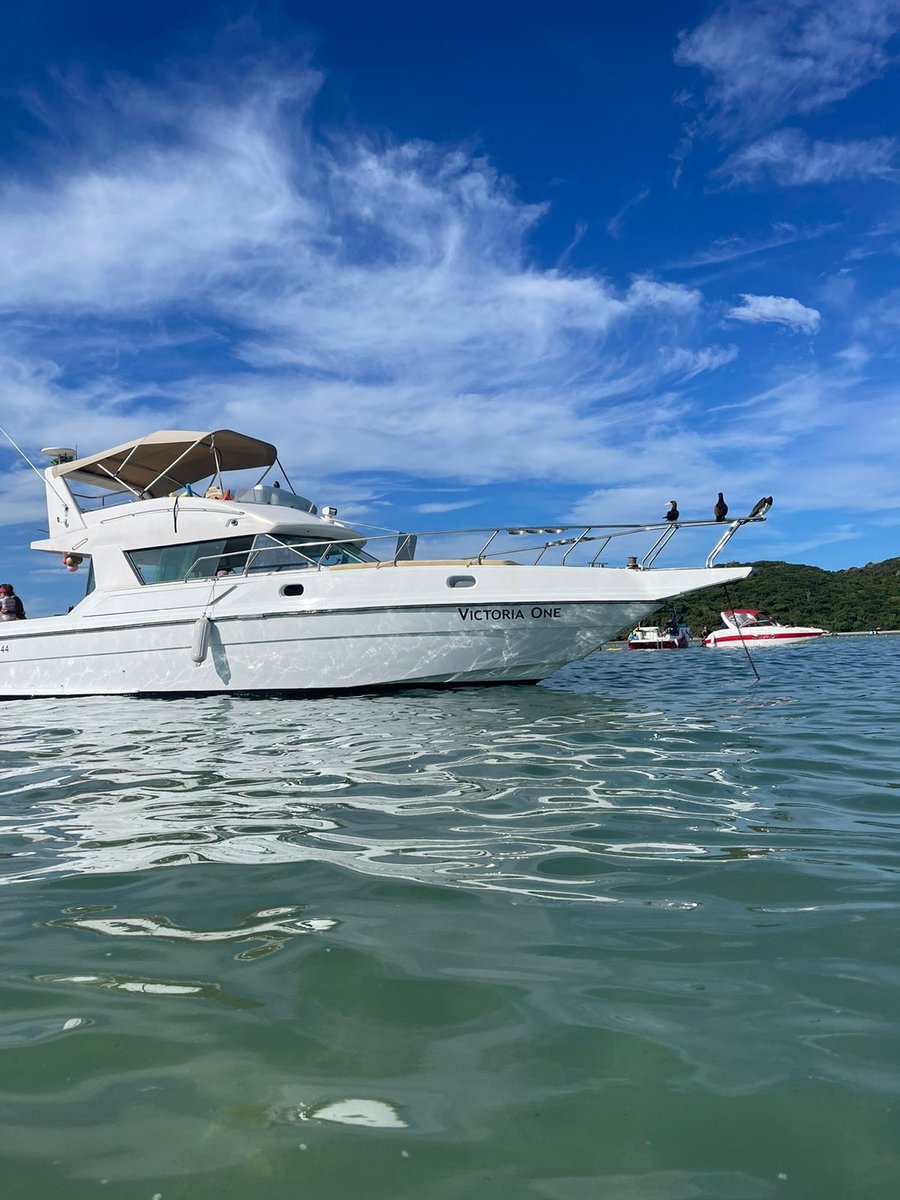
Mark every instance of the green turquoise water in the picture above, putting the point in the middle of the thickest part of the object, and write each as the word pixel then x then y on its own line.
pixel 632 935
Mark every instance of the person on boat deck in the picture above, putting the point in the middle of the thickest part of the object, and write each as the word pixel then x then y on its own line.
pixel 11 607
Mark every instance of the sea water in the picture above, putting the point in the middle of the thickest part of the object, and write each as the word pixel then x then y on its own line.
pixel 631 934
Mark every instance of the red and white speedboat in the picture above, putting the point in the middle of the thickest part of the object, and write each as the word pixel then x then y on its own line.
pixel 674 636
pixel 752 625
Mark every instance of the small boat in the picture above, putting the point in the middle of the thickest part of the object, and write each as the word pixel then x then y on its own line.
pixel 204 579
pixel 753 625
pixel 674 636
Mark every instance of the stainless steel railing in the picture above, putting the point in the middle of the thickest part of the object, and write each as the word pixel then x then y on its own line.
pixel 578 536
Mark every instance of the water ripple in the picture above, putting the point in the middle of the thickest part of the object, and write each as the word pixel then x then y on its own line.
pixel 549 792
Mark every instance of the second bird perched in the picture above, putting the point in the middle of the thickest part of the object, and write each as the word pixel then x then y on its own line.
pixel 761 507
pixel 720 510
pixel 672 514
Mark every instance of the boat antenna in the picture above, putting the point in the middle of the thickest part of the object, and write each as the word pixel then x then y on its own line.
pixel 741 633
pixel 15 445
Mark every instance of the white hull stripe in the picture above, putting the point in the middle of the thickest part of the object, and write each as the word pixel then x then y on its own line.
pixel 766 637
pixel 201 610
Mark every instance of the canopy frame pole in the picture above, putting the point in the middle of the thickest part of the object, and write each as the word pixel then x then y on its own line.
pixel 114 476
pixel 278 464
pixel 171 467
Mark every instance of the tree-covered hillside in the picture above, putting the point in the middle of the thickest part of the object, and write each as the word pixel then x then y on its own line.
pixel 858 598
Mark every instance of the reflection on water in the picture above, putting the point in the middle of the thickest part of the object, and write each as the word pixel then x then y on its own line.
pixel 267 935
pixel 629 934
pixel 376 1114
pixel 549 792
pixel 535 791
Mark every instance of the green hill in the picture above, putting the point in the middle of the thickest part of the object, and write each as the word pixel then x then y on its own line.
pixel 858 598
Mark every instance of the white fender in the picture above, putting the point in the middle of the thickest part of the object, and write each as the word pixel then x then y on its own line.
pixel 200 643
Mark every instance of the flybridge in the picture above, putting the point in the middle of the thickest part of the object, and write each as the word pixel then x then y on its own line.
pixel 157 473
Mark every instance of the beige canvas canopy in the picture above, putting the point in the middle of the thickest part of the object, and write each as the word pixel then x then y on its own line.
pixel 169 459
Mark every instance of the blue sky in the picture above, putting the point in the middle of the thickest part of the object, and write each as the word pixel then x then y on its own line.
pixel 488 262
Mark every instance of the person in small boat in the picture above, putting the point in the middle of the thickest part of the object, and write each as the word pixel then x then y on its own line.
pixel 11 607
pixel 672 514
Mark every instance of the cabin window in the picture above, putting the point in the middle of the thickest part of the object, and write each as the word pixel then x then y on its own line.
pixel 326 553
pixel 232 556
pixel 292 552
pixel 191 560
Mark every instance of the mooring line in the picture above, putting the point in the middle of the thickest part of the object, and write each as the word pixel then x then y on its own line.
pixel 741 633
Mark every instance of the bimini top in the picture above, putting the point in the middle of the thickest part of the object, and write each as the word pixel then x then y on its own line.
pixel 168 459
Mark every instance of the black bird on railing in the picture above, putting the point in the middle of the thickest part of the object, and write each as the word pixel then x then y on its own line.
pixel 720 511
pixel 672 514
pixel 761 507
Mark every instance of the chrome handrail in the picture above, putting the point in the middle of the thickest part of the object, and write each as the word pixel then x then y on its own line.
pixel 658 546
pixel 580 536
pixel 726 537
pixel 250 556
pixel 481 552
pixel 605 543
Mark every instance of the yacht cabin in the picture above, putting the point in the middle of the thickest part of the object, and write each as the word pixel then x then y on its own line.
pixel 160 510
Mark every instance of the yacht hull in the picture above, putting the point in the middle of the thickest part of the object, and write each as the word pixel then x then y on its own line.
pixel 513 624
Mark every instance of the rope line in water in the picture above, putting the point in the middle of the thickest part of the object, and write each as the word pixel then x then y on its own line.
pixel 741 634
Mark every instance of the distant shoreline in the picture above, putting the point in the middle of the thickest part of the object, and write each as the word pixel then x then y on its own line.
pixel 861 633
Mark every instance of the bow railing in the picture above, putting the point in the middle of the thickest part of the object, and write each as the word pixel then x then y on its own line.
pixel 397 549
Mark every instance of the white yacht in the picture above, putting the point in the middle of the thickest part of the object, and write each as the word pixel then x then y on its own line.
pixel 198 586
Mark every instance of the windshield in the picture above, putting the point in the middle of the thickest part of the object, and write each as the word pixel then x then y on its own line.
pixel 744 618
pixel 292 552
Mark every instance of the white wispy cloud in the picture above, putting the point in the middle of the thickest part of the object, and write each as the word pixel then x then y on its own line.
pixel 768 60
pixel 448 506
pixel 200 256
pixel 689 363
pixel 778 310
pixel 833 430
pixel 740 246
pixel 790 158
pixel 855 355
pixel 615 222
